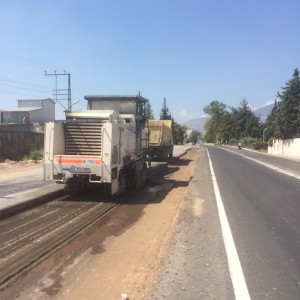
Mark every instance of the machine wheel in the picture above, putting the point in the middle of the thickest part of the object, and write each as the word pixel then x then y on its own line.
pixel 141 171
pixel 107 189
pixel 74 186
pixel 122 182
pixel 130 179
pixel 136 177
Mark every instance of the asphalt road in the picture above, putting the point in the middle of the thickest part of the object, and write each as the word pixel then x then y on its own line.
pixel 263 210
pixel 21 181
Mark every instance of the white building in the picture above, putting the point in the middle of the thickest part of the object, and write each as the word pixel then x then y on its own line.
pixel 30 111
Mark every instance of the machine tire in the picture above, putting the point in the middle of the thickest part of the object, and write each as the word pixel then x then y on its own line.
pixel 74 186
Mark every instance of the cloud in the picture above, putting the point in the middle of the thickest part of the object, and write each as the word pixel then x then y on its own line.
pixel 272 101
pixel 184 114
pixel 267 102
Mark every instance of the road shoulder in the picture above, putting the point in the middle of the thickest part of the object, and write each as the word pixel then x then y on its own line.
pixel 195 266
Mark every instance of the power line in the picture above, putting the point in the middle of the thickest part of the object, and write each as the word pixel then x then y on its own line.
pixel 57 91
pixel 21 59
pixel 22 88
pixel 6 81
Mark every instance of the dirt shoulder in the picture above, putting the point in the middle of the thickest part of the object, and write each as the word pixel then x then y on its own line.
pixel 129 258
pixel 10 168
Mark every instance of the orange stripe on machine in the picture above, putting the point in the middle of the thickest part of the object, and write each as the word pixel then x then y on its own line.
pixel 83 160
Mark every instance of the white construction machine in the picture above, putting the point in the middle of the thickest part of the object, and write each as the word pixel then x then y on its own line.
pixel 107 144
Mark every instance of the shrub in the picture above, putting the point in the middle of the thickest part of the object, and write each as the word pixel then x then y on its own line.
pixel 248 142
pixel 233 142
pixel 36 154
pixel 260 146
pixel 14 156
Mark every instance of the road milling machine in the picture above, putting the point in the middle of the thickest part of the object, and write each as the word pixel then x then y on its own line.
pixel 106 145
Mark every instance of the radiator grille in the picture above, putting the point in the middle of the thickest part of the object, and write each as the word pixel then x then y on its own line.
pixel 84 138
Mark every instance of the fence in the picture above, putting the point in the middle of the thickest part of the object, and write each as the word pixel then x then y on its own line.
pixel 288 148
pixel 15 145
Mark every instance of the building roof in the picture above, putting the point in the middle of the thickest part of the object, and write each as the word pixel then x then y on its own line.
pixel 23 109
pixel 114 98
pixel 37 99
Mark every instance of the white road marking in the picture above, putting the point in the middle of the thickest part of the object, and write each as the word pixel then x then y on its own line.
pixel 236 272
pixel 266 165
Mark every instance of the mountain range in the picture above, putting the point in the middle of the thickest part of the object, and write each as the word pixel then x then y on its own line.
pixel 198 123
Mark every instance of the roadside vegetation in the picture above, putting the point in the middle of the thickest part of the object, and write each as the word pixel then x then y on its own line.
pixel 34 155
pixel 229 125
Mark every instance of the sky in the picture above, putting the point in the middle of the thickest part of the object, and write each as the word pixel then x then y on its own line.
pixel 190 52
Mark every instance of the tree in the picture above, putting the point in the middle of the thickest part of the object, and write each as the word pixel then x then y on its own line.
pixel 244 121
pixel 148 111
pixel 179 133
pixel 209 136
pixel 288 113
pixel 195 137
pixel 253 127
pixel 216 110
pixel 270 126
pixel 225 128
pixel 165 112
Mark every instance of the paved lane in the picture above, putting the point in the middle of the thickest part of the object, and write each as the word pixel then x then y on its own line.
pixel 263 211
pixel 21 181
pixel 263 208
pixel 285 164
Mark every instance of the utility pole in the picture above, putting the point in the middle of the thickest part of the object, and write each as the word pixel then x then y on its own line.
pixel 264 134
pixel 62 94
